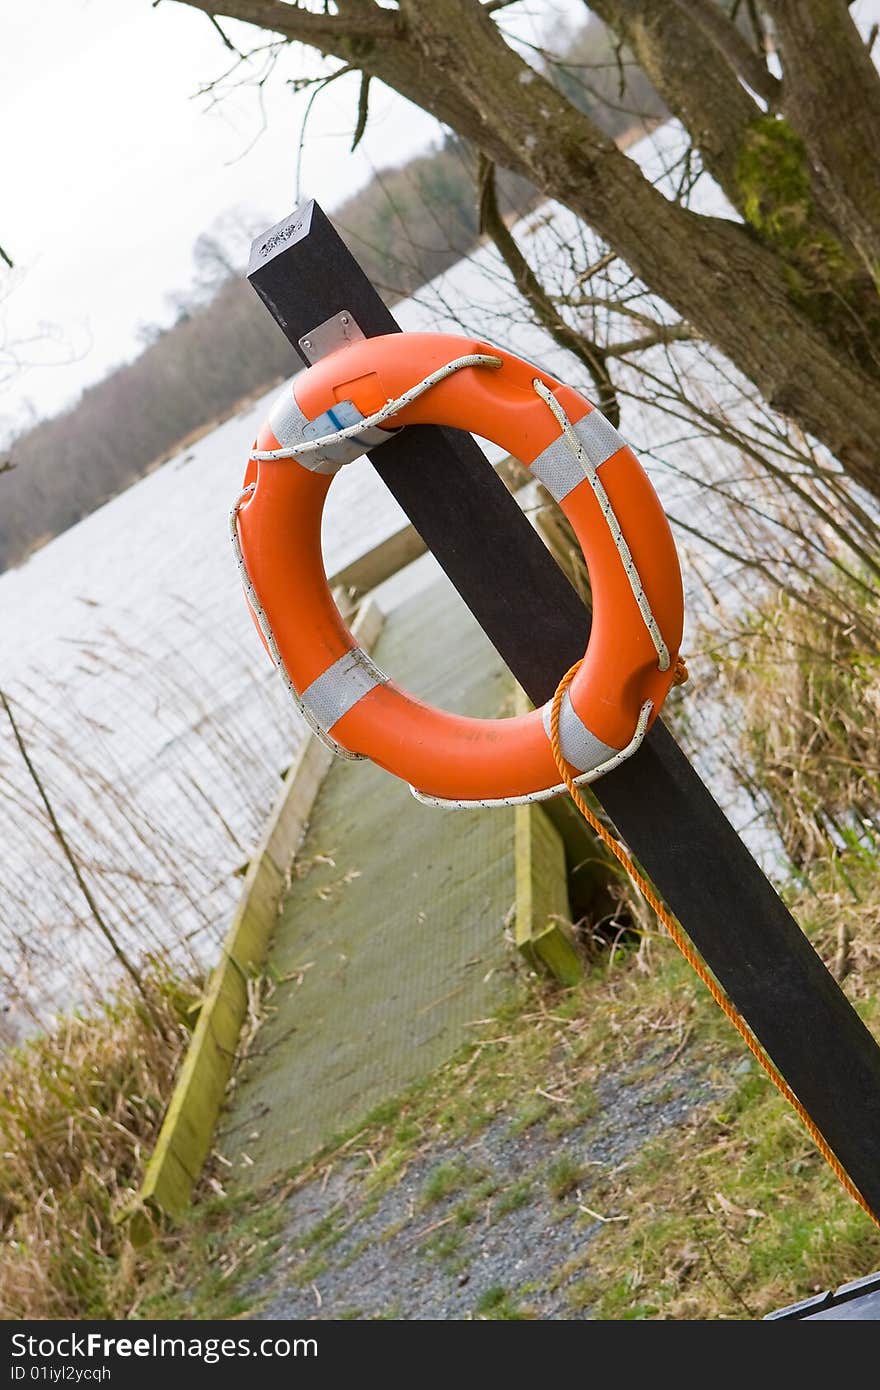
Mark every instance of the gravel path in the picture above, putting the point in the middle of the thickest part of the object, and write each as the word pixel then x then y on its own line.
pixel 474 1228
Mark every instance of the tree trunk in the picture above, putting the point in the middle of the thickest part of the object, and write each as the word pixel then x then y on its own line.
pixel 450 58
pixel 832 98
pixel 692 76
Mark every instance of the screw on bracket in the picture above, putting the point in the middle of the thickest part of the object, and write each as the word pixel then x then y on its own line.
pixel 330 336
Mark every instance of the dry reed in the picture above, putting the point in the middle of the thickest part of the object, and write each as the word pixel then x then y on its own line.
pixel 79 1112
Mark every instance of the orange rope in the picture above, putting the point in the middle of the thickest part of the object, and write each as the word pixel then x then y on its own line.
pixel 688 951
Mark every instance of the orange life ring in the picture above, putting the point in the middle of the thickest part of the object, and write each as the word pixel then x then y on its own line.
pixel 593 475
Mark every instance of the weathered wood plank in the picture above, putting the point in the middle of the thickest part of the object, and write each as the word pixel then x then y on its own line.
pixel 187 1130
pixel 372 569
pixel 541 931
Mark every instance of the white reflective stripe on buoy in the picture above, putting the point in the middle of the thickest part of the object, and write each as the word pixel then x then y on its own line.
pixel 286 420
pixel 290 426
pixel 557 466
pixel 581 748
pixel 338 689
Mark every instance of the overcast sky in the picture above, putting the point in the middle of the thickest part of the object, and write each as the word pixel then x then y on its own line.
pixel 111 166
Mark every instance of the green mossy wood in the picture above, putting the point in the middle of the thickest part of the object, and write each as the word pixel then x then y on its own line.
pixel 543 927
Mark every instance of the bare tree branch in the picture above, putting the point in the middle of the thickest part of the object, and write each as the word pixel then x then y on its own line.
pixel 584 349
pixel 319 86
pixel 224 36
pixel 363 110
pixel 323 31
pixel 663 333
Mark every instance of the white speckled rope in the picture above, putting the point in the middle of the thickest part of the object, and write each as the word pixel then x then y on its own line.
pixel 623 550
pixel 314 446
pixel 592 775
pixel 391 408
pixel 641 598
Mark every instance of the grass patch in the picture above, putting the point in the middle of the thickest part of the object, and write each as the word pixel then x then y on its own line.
pixel 532 1112
pixel 445 1244
pixel 445 1179
pixel 202 1269
pixel 497 1305
pixel 563 1176
pixel 730 1216
pixel 584 1106
pixel 519 1194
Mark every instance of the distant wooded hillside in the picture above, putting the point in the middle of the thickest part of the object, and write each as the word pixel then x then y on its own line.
pixel 405 227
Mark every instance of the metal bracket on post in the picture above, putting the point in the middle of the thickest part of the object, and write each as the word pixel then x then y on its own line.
pixel 330 335
pixel 305 275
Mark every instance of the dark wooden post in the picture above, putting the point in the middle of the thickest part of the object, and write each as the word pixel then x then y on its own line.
pixel 305 275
